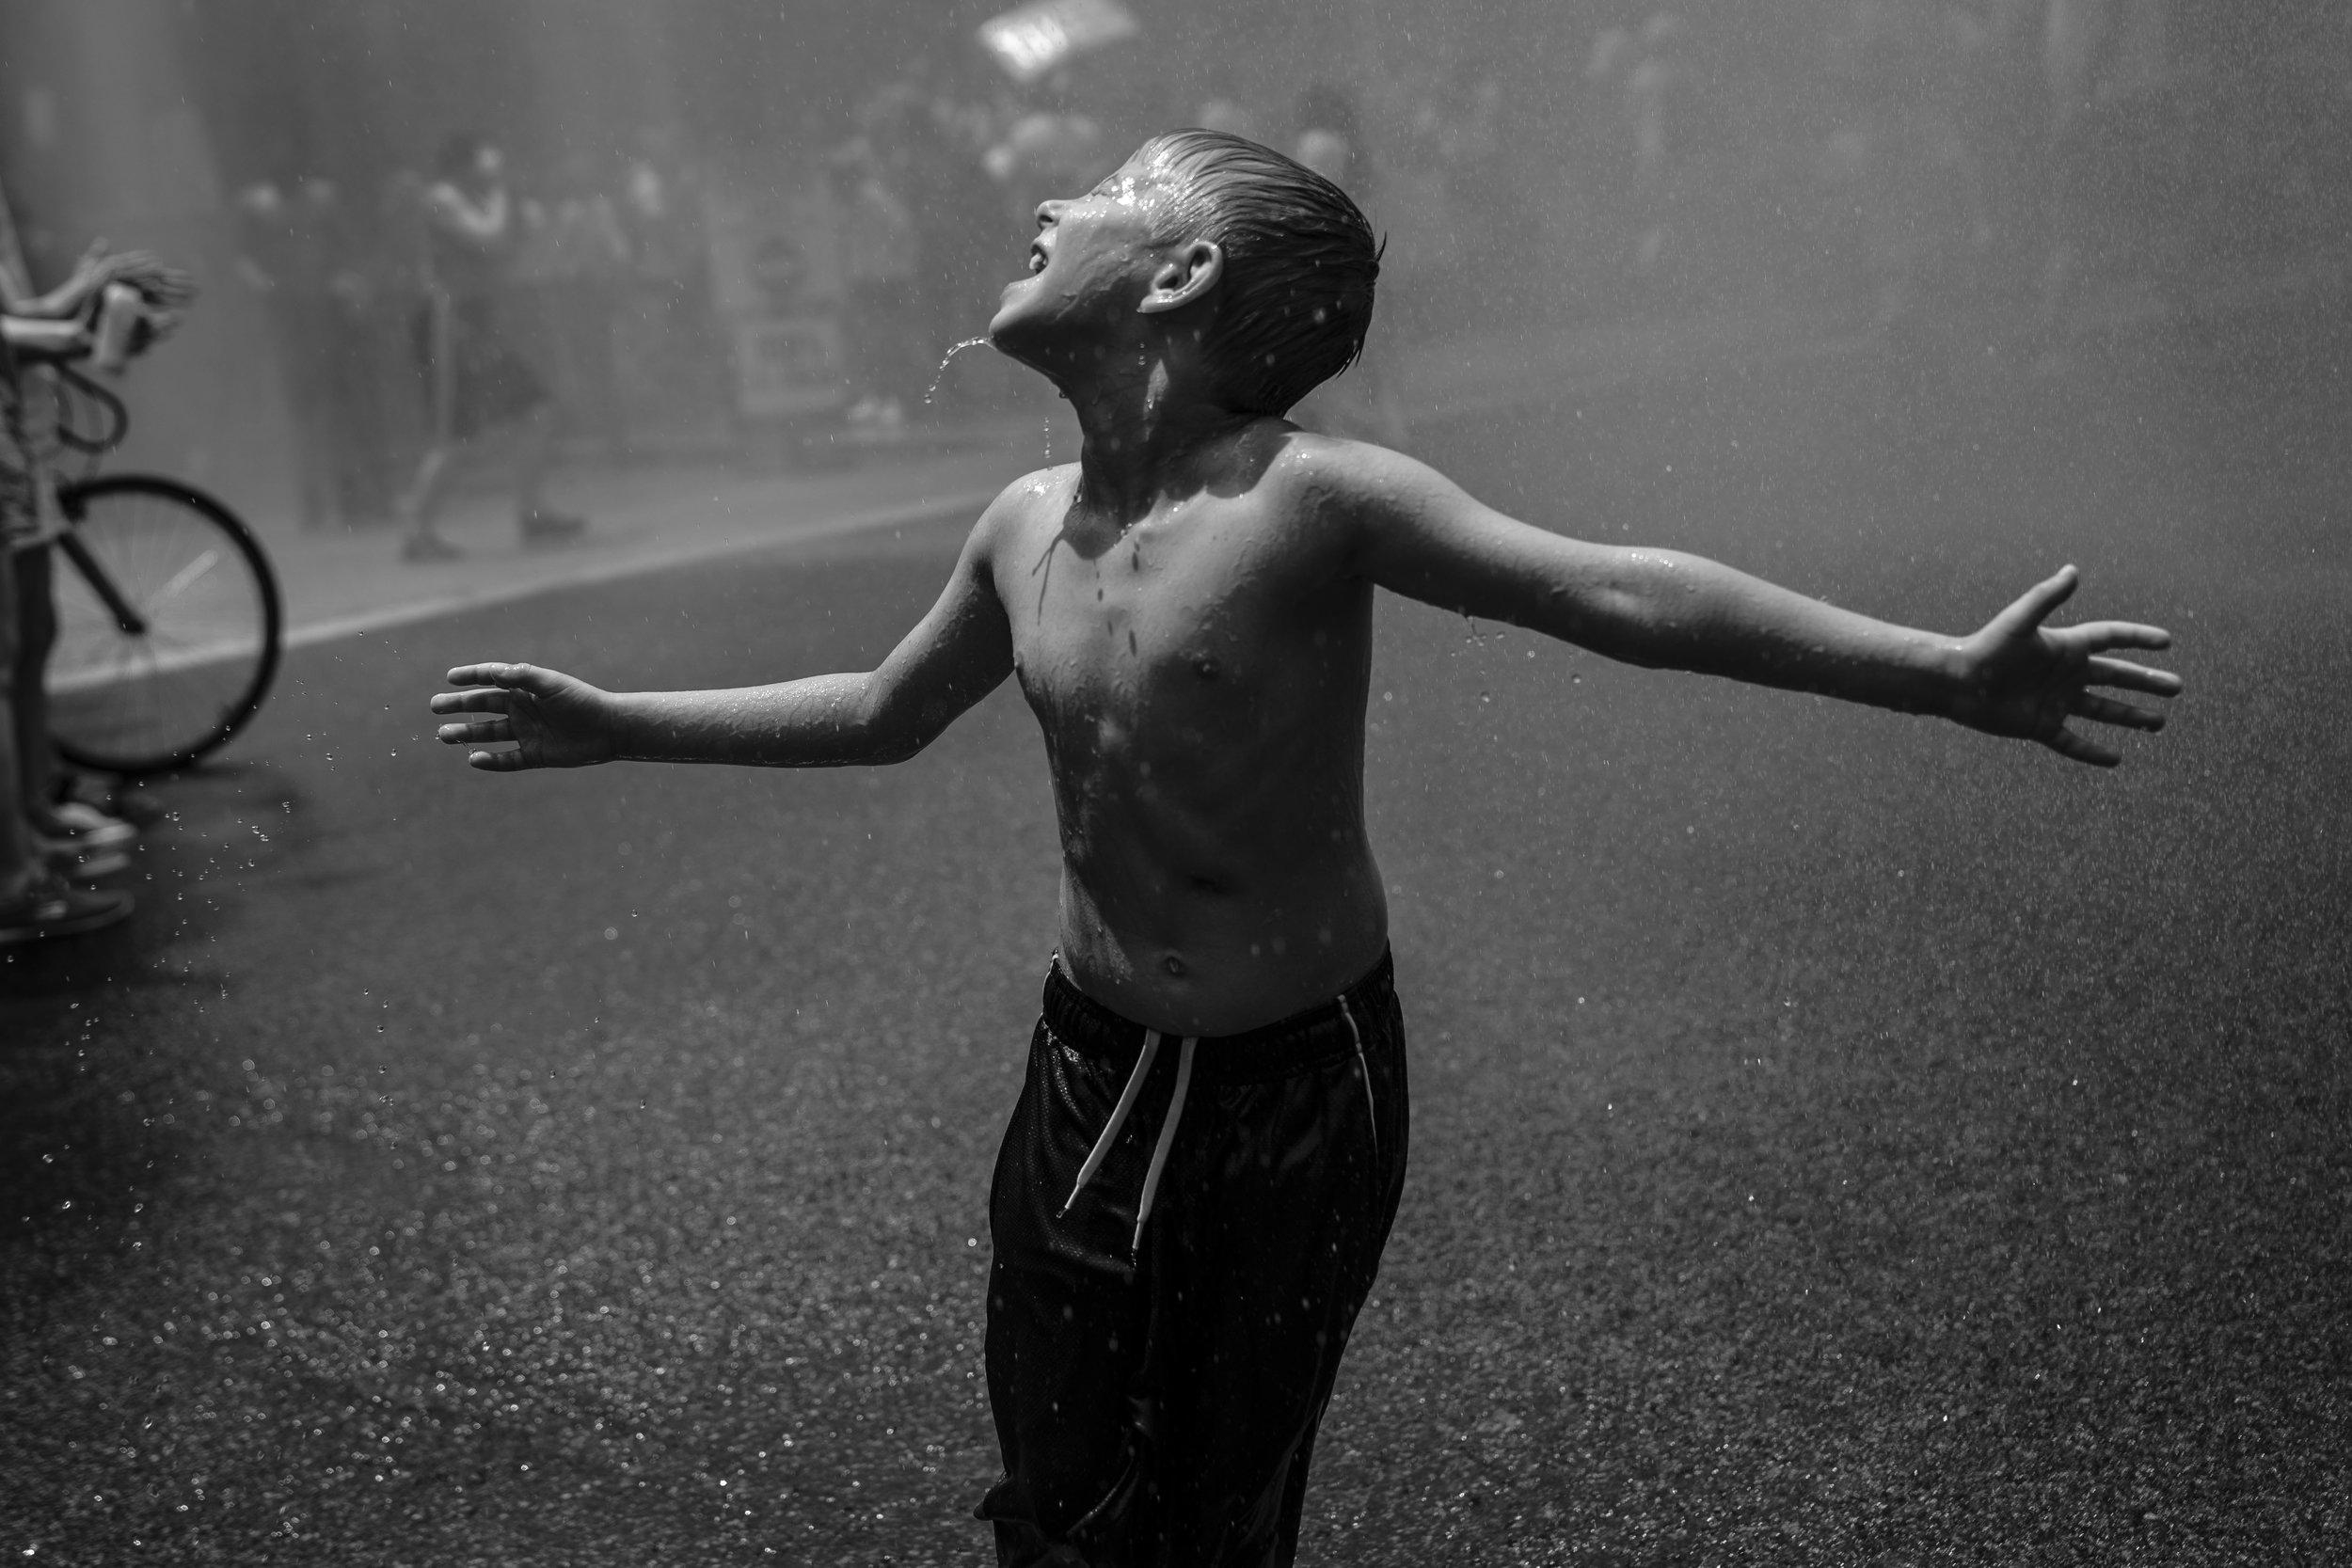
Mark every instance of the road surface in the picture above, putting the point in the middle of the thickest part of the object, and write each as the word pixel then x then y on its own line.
pixel 1836 1138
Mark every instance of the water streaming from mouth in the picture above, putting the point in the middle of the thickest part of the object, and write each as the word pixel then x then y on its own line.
pixel 941 375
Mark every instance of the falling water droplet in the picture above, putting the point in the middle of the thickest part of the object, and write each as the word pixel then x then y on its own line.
pixel 948 358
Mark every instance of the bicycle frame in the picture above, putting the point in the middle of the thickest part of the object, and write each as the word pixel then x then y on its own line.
pixel 101 584
pixel 113 425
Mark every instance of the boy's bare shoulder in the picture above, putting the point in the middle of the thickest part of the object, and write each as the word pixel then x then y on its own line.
pixel 1040 493
pixel 1330 479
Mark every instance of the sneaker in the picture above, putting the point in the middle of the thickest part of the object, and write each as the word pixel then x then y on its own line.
pixel 423 549
pixel 92 828
pixel 132 804
pixel 51 909
pixel 71 859
pixel 540 526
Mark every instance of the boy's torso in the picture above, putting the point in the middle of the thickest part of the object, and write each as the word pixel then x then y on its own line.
pixel 1199 675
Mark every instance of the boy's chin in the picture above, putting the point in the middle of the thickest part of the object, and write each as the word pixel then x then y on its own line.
pixel 1019 339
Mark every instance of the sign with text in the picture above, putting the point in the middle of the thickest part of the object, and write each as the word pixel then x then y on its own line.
pixel 1034 41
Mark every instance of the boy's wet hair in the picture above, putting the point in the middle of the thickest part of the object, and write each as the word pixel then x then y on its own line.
pixel 1300 261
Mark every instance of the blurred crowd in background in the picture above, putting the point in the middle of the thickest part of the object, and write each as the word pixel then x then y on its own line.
pixel 729 219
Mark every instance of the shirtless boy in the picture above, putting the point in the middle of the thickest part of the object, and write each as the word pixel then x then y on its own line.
pixel 1191 1200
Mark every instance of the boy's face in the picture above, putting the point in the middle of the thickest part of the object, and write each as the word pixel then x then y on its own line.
pixel 1090 264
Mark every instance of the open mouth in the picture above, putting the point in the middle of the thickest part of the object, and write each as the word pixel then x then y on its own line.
pixel 1037 258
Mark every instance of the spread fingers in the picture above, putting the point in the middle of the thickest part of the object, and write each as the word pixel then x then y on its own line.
pixel 476 730
pixel 469 702
pixel 2112 710
pixel 2066 743
pixel 2096 635
pixel 2128 676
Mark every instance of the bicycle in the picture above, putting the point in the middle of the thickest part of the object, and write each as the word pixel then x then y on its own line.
pixel 169 619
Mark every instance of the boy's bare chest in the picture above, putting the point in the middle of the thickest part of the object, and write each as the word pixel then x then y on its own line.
pixel 1199 610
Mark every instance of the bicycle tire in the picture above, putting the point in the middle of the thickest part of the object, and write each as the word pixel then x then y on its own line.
pixel 170 687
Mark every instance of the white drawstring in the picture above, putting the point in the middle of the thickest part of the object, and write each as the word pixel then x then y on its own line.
pixel 1167 1140
pixel 1119 1115
pixel 1364 1068
pixel 1167 1136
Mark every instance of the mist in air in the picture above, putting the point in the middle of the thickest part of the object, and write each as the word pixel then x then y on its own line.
pixel 1835 1136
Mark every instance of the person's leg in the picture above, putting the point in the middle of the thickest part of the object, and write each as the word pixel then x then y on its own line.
pixel 97 836
pixel 33 902
pixel 535 440
pixel 436 345
pixel 915 358
pixel 1276 1227
pixel 1160 1405
pixel 35 633
pixel 863 318
pixel 20 865
pixel 420 504
pixel 1066 1314
pixel 538 522
pixel 316 345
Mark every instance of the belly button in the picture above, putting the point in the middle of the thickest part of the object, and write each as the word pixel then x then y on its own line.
pixel 1173 964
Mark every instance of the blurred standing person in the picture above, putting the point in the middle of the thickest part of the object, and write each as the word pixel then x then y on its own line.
pixel 929 145
pixel 573 264
pixel 2004 119
pixel 1600 120
pixel 1331 141
pixel 1501 235
pixel 661 210
pixel 876 244
pixel 667 328
pixel 1657 83
pixel 42 330
pixel 1900 70
pixel 2101 60
pixel 36 841
pixel 475 381
pixel 300 256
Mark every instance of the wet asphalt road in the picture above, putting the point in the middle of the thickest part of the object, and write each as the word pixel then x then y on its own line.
pixel 1836 1138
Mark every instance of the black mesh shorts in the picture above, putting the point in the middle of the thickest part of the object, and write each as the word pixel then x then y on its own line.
pixel 1185 1231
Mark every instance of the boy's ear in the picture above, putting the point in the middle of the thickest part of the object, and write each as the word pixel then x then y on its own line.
pixel 1185 276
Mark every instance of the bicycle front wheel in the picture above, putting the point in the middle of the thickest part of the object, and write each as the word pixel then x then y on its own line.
pixel 169 621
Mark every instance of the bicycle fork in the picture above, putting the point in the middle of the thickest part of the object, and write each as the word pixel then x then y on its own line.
pixel 131 622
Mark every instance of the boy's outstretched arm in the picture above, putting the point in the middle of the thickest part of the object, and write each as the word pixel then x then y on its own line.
pixel 952 659
pixel 1418 533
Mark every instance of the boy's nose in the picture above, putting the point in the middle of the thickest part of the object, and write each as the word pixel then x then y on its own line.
pixel 1049 213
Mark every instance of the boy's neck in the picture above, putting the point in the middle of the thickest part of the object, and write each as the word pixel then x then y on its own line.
pixel 1143 420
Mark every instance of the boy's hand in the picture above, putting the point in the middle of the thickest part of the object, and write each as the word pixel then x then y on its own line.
pixel 554 721
pixel 2021 678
